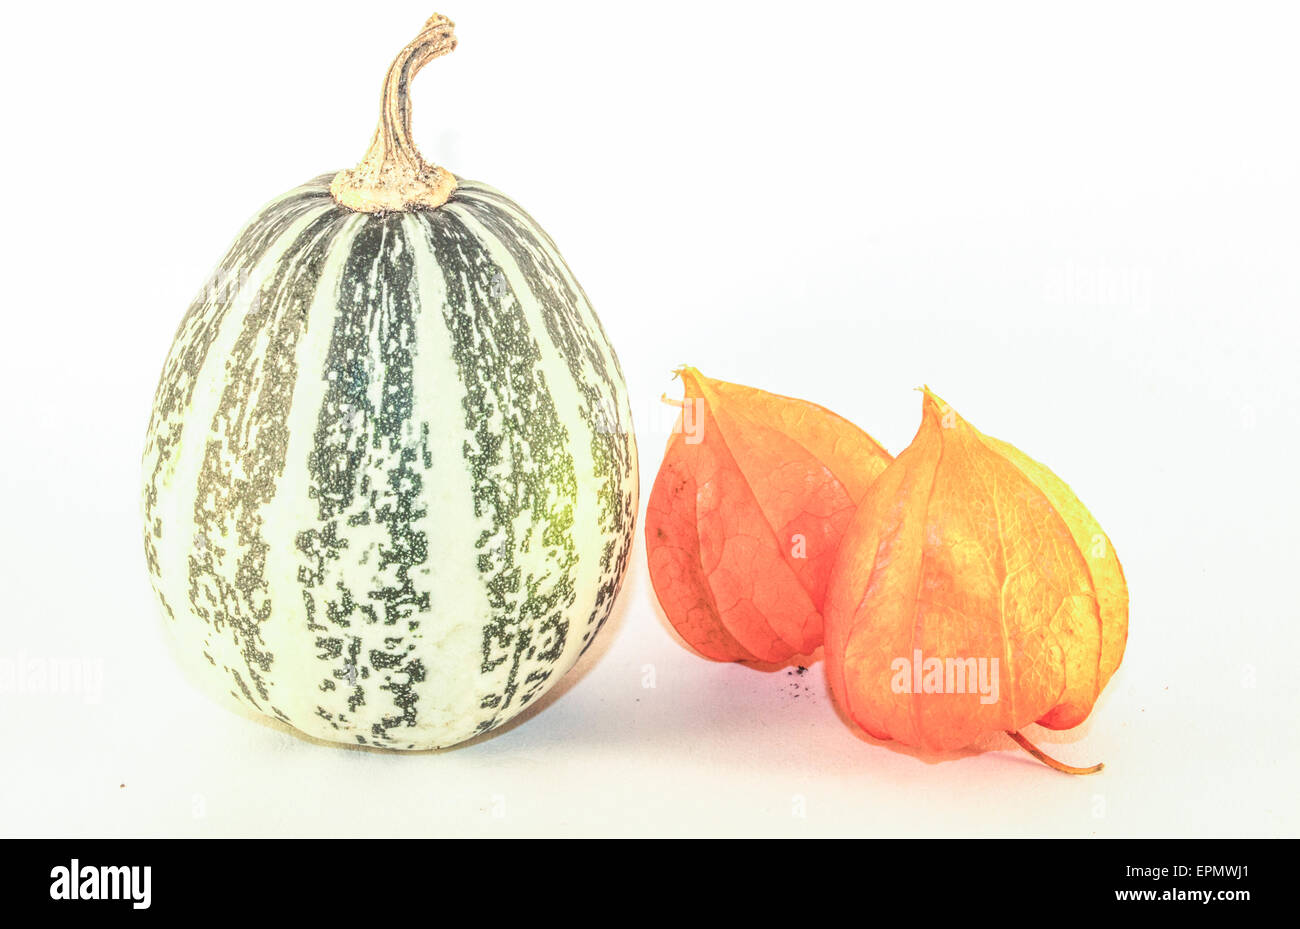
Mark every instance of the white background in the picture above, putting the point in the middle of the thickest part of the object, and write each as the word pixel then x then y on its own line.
pixel 1078 223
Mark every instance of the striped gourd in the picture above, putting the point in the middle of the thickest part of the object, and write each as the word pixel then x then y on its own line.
pixel 389 479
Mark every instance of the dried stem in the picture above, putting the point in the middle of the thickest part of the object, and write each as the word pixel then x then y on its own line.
pixel 1048 759
pixel 393 175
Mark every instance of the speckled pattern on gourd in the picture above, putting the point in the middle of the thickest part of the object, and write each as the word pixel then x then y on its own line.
pixel 390 480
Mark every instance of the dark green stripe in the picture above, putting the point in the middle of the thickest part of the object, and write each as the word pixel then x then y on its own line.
pixel 190 347
pixel 366 468
pixel 521 465
pixel 612 449
pixel 244 460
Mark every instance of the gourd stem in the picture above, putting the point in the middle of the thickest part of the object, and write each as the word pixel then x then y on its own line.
pixel 1048 759
pixel 393 175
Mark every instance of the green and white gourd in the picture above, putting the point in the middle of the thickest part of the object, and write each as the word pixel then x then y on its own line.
pixel 390 481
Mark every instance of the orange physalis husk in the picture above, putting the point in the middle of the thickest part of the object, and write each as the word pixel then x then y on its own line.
pixel 966 548
pixel 746 515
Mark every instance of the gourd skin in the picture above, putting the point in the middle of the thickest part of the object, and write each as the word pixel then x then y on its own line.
pixel 390 482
